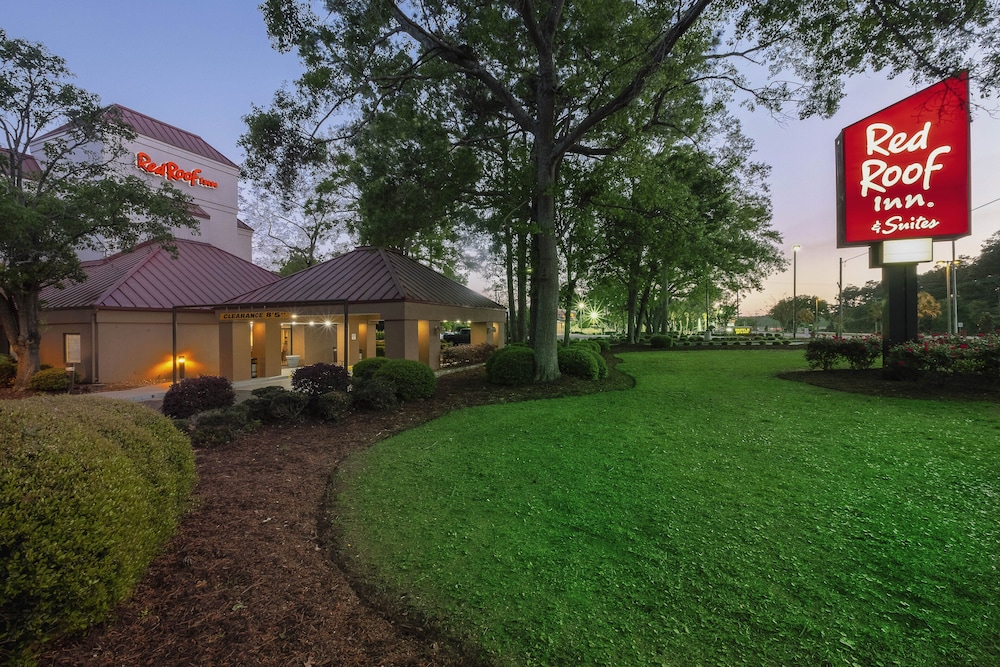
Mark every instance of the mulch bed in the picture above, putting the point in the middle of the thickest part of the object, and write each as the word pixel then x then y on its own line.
pixel 251 579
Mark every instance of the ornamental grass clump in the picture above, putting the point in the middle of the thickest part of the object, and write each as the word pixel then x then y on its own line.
pixel 90 489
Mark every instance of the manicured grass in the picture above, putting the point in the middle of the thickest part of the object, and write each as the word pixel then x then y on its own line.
pixel 712 515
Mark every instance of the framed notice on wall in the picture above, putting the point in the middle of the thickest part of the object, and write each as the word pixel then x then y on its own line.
pixel 71 344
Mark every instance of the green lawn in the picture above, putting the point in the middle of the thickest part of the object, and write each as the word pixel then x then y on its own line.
pixel 713 515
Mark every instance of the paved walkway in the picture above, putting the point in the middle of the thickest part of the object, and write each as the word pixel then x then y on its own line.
pixel 155 392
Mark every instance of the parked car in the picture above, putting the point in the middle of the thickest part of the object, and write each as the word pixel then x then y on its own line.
pixel 460 337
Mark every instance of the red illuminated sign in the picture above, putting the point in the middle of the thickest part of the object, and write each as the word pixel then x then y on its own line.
pixel 903 173
pixel 171 172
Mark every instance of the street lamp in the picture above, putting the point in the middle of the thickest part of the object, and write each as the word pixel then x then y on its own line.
pixel 795 300
pixel 951 298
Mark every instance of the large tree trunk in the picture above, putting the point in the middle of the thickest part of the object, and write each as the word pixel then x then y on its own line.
pixel 19 317
pixel 546 277
pixel 522 287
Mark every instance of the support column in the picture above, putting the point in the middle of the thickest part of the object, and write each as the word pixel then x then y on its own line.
pixel 234 351
pixel 899 315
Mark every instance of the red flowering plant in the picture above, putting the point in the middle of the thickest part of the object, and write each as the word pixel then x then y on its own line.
pixel 948 355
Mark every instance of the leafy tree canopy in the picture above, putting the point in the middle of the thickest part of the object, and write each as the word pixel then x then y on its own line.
pixel 71 194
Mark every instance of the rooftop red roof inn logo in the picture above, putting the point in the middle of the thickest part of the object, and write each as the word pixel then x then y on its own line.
pixel 171 172
pixel 903 172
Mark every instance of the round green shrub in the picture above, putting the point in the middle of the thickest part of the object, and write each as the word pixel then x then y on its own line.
pixel 214 428
pixel 194 395
pixel 333 406
pixel 589 344
pixel 366 368
pixel 578 362
pixel 318 379
pixel 289 406
pixel 267 392
pixel 376 394
pixel 51 379
pixel 412 379
pixel 603 344
pixel 660 341
pixel 90 489
pixel 513 366
pixel 8 370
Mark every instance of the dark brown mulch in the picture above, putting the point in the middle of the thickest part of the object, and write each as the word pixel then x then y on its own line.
pixel 249 579
pixel 874 382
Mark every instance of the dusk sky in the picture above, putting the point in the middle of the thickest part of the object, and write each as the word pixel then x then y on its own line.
pixel 201 65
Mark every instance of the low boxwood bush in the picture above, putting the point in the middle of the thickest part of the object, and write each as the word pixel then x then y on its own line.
pixel 194 395
pixel 289 406
pixel 660 341
pixel 333 406
pixel 376 394
pixel 577 361
pixel 51 379
pixel 512 366
pixel 90 489
pixel 365 369
pixel 8 370
pixel 214 428
pixel 412 379
pixel 318 379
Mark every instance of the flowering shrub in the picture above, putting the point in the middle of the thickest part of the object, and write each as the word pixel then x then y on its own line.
pixel 456 355
pixel 947 355
pixel 860 353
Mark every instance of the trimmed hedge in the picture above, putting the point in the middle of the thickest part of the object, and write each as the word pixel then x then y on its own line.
pixel 51 379
pixel 366 368
pixel 214 428
pixel 578 361
pixel 333 406
pixel 513 366
pixel 90 489
pixel 376 394
pixel 412 379
pixel 194 395
pixel 318 379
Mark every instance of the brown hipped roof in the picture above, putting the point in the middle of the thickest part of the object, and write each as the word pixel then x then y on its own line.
pixel 148 126
pixel 367 275
pixel 149 278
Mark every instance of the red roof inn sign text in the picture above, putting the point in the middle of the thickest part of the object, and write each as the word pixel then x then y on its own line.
pixel 171 172
pixel 903 173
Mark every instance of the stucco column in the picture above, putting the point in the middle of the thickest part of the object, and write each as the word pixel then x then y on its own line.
pixel 267 348
pixel 234 351
pixel 402 339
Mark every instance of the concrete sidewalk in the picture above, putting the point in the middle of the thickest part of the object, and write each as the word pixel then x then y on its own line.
pixel 155 392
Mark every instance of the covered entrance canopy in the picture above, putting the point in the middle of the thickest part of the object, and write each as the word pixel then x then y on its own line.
pixel 329 314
